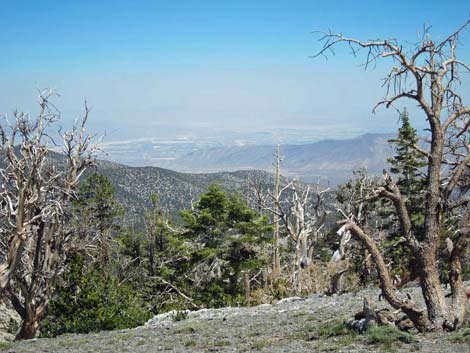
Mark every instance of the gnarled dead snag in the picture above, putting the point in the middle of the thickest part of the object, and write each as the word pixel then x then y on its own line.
pixel 301 218
pixel 427 73
pixel 35 195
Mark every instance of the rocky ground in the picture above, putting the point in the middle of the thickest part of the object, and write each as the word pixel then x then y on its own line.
pixel 294 325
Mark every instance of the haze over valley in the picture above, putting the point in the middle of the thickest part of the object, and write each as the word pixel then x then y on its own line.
pixel 329 161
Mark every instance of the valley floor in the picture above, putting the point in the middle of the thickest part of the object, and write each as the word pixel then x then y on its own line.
pixel 292 325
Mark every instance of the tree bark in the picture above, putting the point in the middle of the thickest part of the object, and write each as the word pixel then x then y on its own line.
pixel 438 311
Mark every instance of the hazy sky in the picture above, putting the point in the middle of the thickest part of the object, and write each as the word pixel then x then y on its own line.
pixel 146 66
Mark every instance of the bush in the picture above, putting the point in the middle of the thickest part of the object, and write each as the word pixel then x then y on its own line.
pixel 384 337
pixel 334 329
pixel 90 300
pixel 387 335
pixel 462 335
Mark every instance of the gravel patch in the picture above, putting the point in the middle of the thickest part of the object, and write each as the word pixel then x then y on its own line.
pixel 289 326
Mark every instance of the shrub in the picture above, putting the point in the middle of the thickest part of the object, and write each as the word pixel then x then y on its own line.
pixel 385 337
pixel 461 336
pixel 334 329
pixel 388 335
pixel 90 300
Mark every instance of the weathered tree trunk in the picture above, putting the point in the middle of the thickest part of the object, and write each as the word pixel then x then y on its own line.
pixel 27 330
pixel 416 314
pixel 298 275
pixel 460 294
pixel 336 282
pixel 276 260
pixel 301 262
pixel 266 278
pixel 246 283
pixel 30 315
pixel 438 312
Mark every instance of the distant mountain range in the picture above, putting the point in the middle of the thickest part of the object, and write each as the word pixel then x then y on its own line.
pixel 328 162
pixel 151 146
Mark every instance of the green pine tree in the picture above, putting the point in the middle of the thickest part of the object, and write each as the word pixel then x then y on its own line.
pixel 97 215
pixel 90 300
pixel 227 235
pixel 97 206
pixel 407 165
pixel 165 252
pixel 92 295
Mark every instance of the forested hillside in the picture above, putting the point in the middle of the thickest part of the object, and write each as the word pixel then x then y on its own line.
pixel 176 191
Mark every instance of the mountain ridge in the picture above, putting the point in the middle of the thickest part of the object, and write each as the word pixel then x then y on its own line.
pixel 327 161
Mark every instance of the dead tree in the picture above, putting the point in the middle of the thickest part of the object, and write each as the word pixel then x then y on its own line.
pixel 276 260
pixel 36 189
pixel 302 221
pixel 350 201
pixel 352 205
pixel 427 73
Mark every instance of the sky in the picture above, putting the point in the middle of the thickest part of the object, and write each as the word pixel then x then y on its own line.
pixel 149 68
